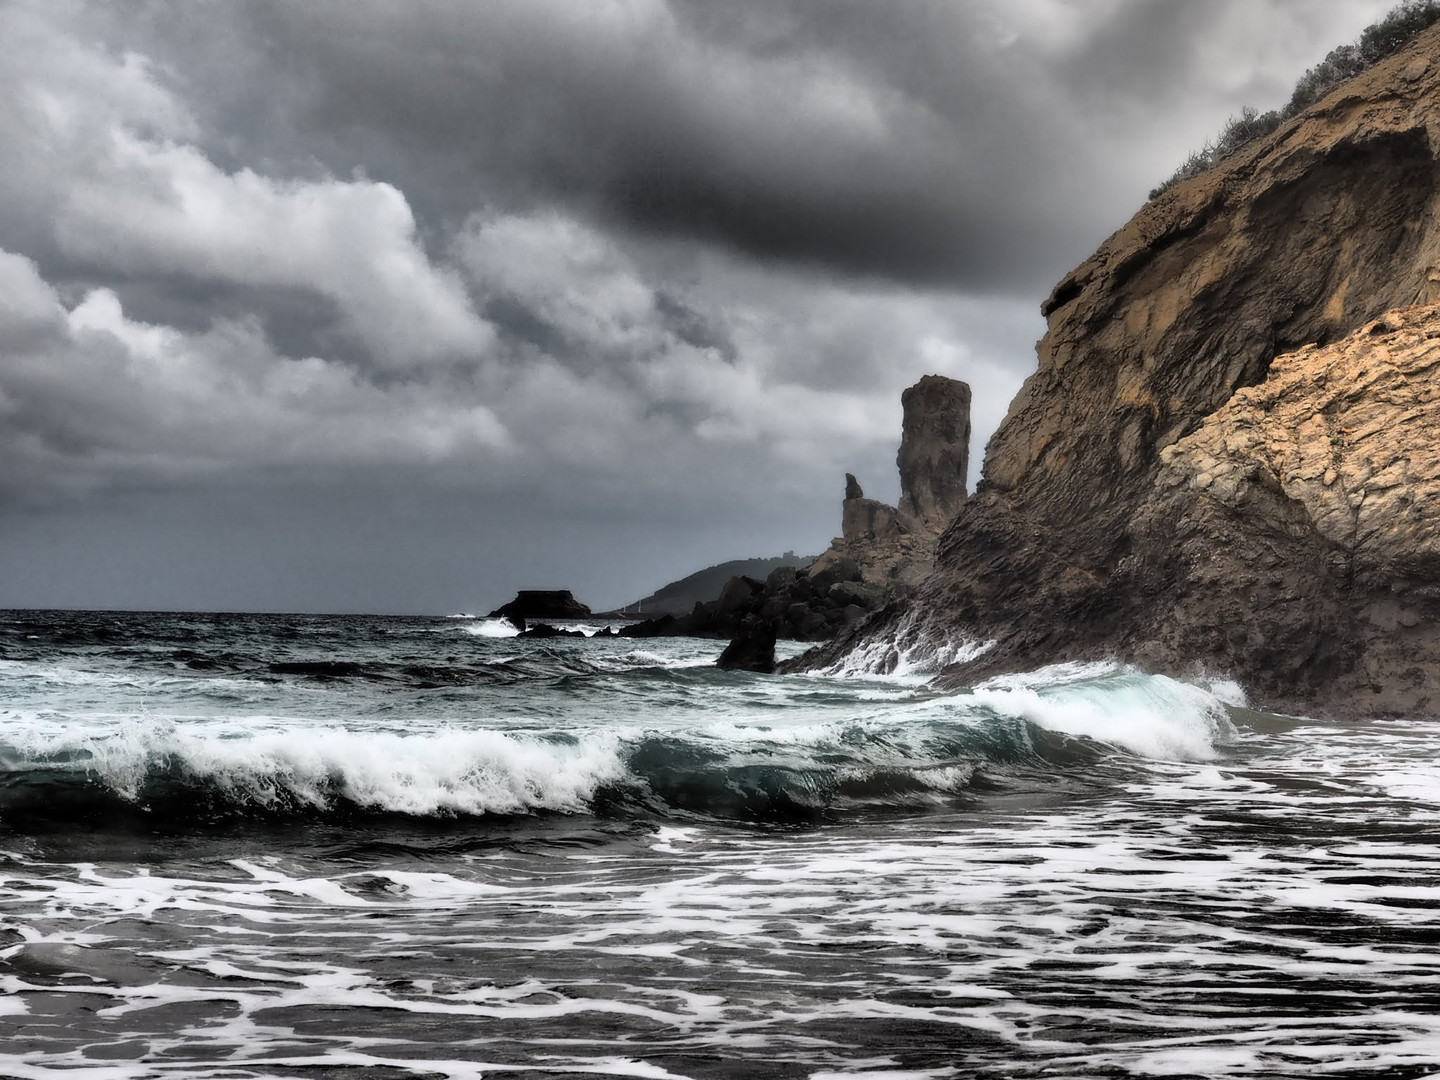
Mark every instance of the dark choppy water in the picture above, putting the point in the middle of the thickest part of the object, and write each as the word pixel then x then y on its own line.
pixel 255 846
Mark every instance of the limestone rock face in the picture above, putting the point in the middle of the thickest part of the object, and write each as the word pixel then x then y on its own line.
pixel 1138 502
pixel 1296 532
pixel 1302 238
pixel 1350 433
pixel 934 458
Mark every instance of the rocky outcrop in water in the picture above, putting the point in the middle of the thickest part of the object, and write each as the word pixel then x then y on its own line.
pixel 541 604
pixel 1158 491
pixel 752 648
pixel 882 550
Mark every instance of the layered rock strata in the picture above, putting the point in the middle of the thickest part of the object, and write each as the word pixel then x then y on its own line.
pixel 1299 526
pixel 1132 505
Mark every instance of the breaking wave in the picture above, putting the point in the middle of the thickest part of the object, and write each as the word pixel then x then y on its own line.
pixel 855 752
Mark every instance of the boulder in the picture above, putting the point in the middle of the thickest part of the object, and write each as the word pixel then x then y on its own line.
pixel 545 630
pixel 837 570
pixel 751 649
pixel 737 595
pixel 861 593
pixel 782 577
pixel 665 626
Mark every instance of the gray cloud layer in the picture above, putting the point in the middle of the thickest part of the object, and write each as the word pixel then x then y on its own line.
pixel 626 275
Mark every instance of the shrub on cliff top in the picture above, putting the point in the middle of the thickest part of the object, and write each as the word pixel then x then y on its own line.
pixel 1376 42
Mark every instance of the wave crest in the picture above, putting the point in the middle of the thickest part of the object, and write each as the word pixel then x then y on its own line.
pixel 470 773
pixel 852 749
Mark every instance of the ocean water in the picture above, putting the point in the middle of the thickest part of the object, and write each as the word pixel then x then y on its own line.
pixel 288 846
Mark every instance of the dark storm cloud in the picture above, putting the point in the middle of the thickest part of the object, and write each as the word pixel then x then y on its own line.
pixel 879 140
pixel 972 145
pixel 637 269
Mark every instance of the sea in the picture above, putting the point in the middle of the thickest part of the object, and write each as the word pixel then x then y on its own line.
pixel 255 846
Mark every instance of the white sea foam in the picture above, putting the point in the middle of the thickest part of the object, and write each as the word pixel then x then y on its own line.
pixel 1151 715
pixel 492 628
pixel 645 658
pixel 911 652
pixel 1143 933
pixel 587 628
pixel 1419 781
pixel 1227 690
pixel 683 653
pixel 444 771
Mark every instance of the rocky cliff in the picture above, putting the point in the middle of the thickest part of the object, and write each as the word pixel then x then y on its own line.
pixel 1296 527
pixel 1158 491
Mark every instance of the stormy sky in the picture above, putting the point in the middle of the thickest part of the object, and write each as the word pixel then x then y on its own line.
pixel 344 305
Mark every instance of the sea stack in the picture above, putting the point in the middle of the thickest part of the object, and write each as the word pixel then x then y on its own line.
pixel 1225 460
pixel 934 457
pixel 882 550
pixel 893 545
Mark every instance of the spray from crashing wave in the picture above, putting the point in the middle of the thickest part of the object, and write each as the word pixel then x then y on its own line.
pixel 910 650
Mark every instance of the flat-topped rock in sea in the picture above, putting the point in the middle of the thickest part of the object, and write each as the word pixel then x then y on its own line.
pixel 541 604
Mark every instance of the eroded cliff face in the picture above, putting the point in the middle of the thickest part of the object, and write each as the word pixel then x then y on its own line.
pixel 1112 518
pixel 1296 532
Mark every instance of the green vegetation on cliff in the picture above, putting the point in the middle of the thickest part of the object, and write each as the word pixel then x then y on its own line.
pixel 1376 42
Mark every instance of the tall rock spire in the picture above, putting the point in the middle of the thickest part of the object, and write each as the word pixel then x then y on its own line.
pixel 934 456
